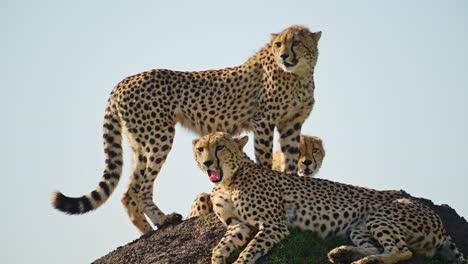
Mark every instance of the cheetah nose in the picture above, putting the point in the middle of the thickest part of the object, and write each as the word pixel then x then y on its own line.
pixel 208 163
pixel 307 162
pixel 284 56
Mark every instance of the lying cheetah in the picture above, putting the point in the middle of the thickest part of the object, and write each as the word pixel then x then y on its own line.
pixel 311 154
pixel 274 88
pixel 250 199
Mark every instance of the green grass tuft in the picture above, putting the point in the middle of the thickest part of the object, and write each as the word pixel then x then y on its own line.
pixel 304 247
pixel 205 220
pixel 234 255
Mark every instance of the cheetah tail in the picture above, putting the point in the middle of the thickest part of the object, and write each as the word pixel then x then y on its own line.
pixel 451 252
pixel 113 169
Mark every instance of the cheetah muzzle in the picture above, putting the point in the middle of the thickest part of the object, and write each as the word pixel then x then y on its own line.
pixel 306 172
pixel 290 65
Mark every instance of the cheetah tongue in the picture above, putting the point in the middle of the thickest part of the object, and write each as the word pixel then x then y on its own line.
pixel 214 175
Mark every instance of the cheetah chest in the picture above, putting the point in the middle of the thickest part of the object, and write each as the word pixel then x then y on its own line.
pixel 223 205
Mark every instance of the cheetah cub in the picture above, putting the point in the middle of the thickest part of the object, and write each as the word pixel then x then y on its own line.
pixel 250 199
pixel 311 155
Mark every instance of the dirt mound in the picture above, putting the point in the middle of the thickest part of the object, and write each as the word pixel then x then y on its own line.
pixel 189 242
pixel 192 240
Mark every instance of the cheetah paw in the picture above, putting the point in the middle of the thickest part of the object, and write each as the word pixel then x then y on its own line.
pixel 341 255
pixel 367 260
pixel 170 219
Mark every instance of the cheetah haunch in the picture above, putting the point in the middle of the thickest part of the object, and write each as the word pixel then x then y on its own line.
pixel 274 88
pixel 250 199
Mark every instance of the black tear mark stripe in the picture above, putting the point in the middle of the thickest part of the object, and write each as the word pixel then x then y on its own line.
pixel 315 161
pixel 217 159
pixel 293 53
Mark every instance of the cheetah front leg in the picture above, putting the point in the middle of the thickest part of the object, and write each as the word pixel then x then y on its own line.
pixel 236 236
pixel 202 206
pixel 290 136
pixel 261 244
pixel 263 143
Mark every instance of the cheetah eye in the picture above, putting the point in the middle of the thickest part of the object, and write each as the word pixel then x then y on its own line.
pixel 315 150
pixel 278 44
pixel 220 147
pixel 200 149
pixel 296 43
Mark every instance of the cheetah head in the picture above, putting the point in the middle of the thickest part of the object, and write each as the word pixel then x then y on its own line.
pixel 295 49
pixel 219 155
pixel 311 155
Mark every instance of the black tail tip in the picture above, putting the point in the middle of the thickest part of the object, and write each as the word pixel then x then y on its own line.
pixel 66 204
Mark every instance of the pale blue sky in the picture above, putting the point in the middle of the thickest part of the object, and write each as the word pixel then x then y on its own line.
pixel 391 102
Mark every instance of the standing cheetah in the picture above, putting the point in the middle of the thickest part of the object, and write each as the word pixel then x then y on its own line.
pixel 274 88
pixel 254 201
pixel 311 154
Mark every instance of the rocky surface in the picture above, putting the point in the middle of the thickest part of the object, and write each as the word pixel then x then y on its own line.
pixel 192 240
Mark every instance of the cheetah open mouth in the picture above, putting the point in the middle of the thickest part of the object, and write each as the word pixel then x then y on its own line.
pixel 215 175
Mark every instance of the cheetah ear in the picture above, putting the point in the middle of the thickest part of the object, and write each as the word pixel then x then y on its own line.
pixel 273 36
pixel 316 36
pixel 241 141
pixel 319 142
pixel 194 142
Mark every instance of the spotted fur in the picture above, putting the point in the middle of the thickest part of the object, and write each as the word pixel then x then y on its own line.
pixel 259 205
pixel 274 88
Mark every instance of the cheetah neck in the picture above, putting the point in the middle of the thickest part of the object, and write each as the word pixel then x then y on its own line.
pixel 240 166
pixel 245 161
pixel 244 164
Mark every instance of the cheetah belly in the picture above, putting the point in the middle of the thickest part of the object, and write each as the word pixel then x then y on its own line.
pixel 205 123
pixel 215 110
pixel 323 223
